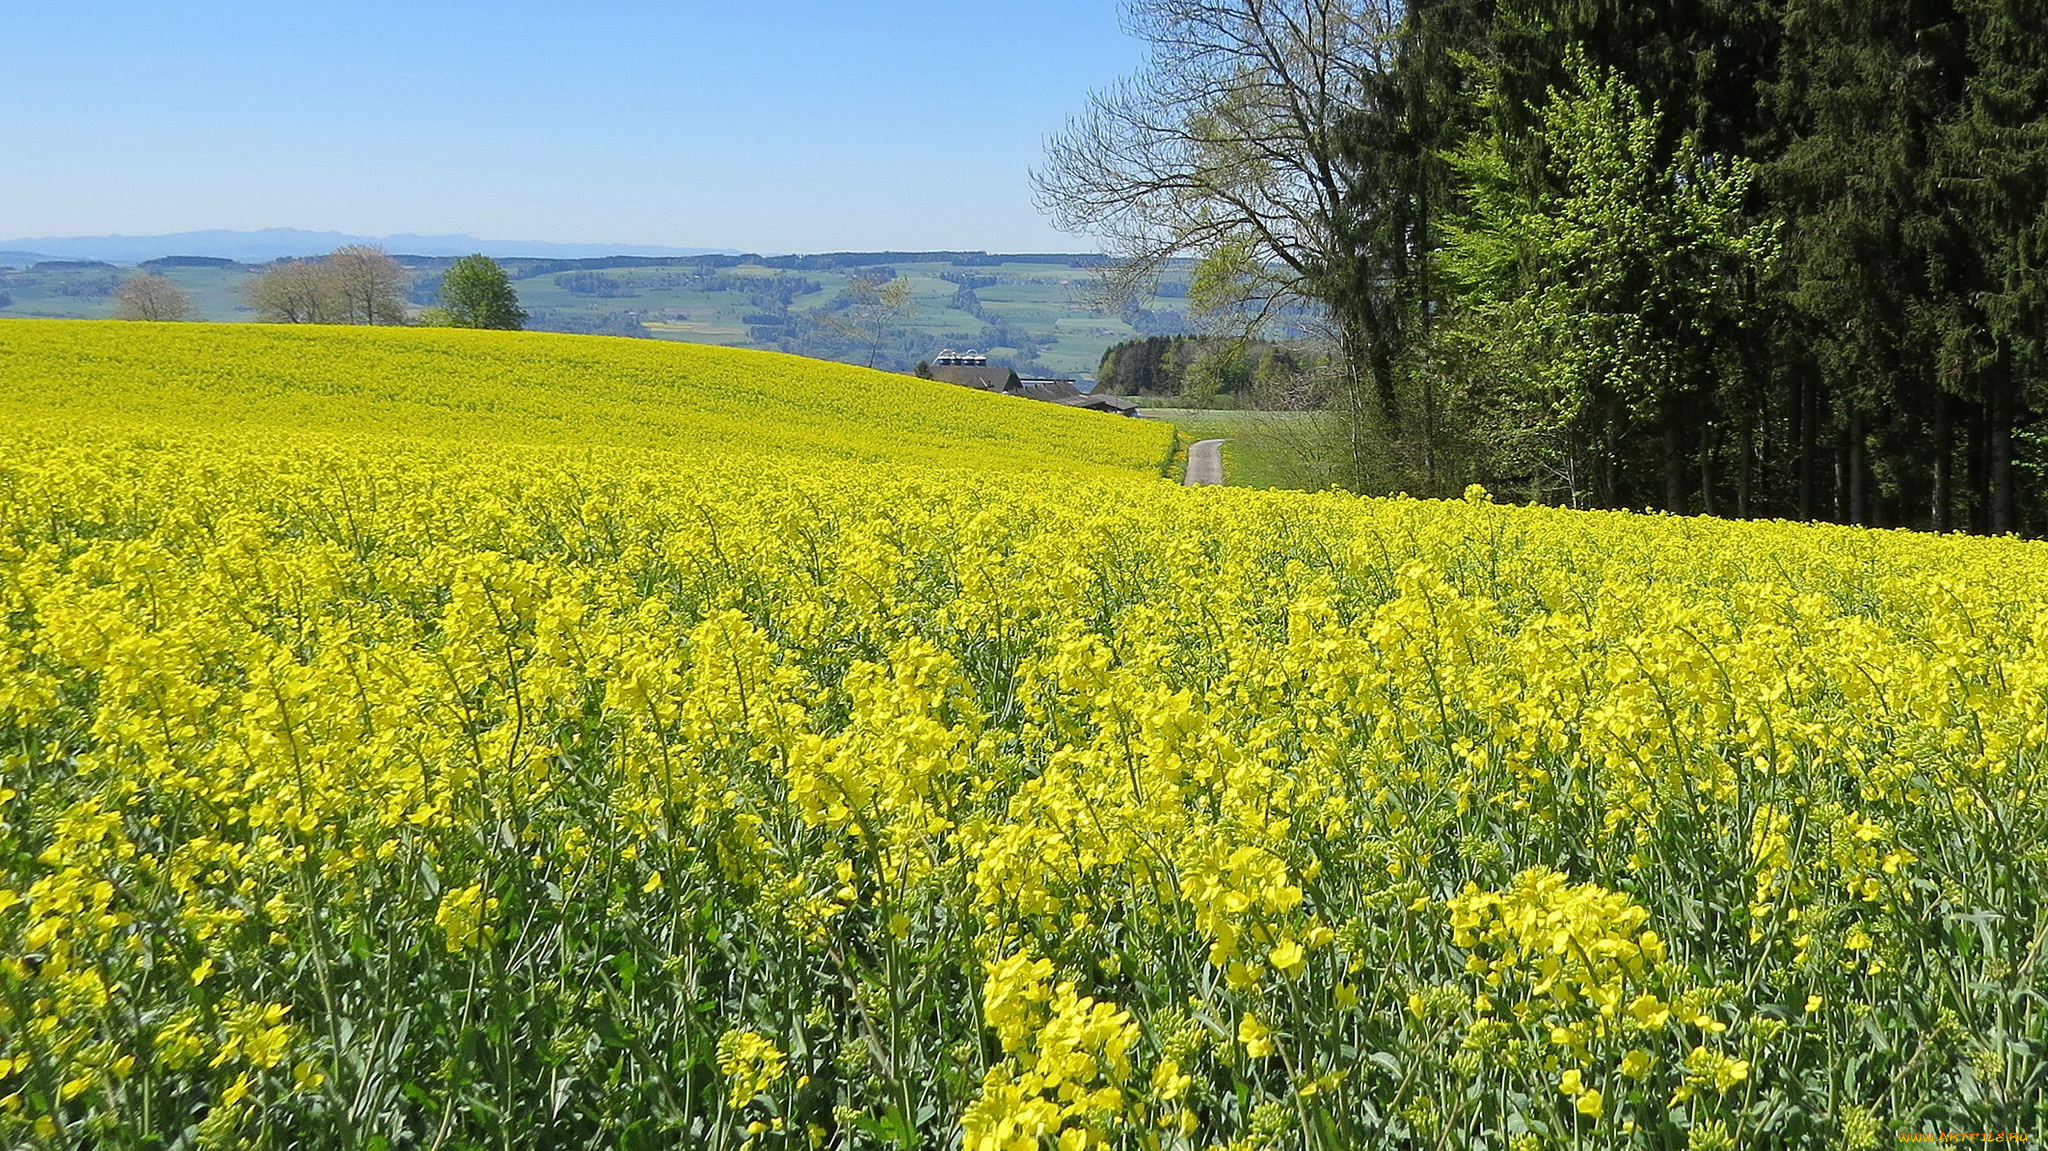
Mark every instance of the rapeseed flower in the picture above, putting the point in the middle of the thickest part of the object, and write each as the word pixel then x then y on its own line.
pixel 567 718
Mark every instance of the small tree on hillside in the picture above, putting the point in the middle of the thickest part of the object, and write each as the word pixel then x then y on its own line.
pixel 872 305
pixel 291 292
pixel 148 296
pixel 477 294
pixel 368 285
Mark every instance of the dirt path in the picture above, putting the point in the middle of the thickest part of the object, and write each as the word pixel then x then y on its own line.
pixel 1205 462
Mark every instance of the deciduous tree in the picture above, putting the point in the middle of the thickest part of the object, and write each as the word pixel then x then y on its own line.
pixel 368 285
pixel 291 292
pixel 477 294
pixel 1596 298
pixel 148 296
pixel 871 305
pixel 1234 145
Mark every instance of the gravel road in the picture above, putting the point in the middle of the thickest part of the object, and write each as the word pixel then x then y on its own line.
pixel 1205 462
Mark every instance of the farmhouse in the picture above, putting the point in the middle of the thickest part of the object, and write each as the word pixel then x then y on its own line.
pixel 972 370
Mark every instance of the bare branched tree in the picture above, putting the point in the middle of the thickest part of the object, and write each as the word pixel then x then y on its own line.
pixel 368 285
pixel 357 284
pixel 291 292
pixel 148 296
pixel 872 305
pixel 1235 145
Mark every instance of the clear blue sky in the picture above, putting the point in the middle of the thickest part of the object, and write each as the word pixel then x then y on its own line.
pixel 766 125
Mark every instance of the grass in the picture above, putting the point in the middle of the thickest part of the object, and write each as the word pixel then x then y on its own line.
pixel 1262 449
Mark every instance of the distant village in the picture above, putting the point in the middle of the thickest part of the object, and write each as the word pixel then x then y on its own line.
pixel 972 370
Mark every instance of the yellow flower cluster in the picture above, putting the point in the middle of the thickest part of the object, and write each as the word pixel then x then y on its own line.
pixel 751 1064
pixel 1068 1068
pixel 1565 940
pixel 465 915
pixel 422 736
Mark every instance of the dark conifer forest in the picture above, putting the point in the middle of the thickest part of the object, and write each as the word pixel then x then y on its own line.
pixel 1761 258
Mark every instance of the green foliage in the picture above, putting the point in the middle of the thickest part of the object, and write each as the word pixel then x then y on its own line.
pixel 1226 276
pixel 477 294
pixel 1748 256
pixel 1149 365
pixel 1886 368
pixel 1595 297
pixel 1204 372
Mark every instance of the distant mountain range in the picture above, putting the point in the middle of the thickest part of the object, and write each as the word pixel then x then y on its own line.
pixel 271 243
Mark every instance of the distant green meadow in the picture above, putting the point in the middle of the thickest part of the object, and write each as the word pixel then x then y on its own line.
pixel 1039 316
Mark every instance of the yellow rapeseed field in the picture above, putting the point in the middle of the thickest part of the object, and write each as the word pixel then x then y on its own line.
pixel 446 739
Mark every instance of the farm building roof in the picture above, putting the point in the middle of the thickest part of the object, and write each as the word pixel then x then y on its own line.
pixel 987 377
pixel 1049 389
pixel 1116 404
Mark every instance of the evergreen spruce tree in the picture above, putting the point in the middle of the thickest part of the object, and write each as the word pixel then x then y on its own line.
pixel 1990 162
pixel 1877 262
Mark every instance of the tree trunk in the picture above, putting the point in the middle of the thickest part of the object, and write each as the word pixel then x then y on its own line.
pixel 1805 407
pixel 1356 401
pixel 1978 469
pixel 1942 512
pixel 1707 468
pixel 1384 383
pixel 1608 479
pixel 1838 501
pixel 1747 443
pixel 1674 459
pixel 1429 426
pixel 1999 442
pixel 1857 467
pixel 1422 309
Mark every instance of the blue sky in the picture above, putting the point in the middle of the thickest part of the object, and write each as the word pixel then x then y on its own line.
pixel 765 125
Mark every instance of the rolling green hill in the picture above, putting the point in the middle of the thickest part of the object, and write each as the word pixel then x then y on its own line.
pixel 1035 312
